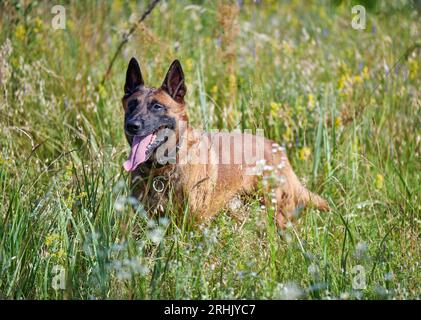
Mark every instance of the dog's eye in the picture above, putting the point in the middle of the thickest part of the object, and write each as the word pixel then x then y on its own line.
pixel 157 106
pixel 132 105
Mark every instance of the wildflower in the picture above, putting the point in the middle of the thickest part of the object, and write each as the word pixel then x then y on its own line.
pixel 164 221
pixel 311 102
pixel 102 91
pixel 151 223
pixel 288 49
pixel 156 235
pixel 189 64
pixel 288 134
pixel 413 69
pixel 379 181
pixel 358 79
pixel 70 25
pixel 214 90
pixel 274 108
pixel 338 122
pixel 365 73
pixel 38 24
pixel 51 238
pixel 341 82
pixel 305 153
pixel 116 6
pixel 20 32
pixel 82 195
pixel 59 254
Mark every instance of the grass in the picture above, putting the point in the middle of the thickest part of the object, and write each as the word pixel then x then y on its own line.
pixel 329 93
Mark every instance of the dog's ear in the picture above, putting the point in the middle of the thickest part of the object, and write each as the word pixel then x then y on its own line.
pixel 133 77
pixel 174 82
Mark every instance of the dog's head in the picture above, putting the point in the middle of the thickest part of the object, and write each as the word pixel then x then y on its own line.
pixel 152 116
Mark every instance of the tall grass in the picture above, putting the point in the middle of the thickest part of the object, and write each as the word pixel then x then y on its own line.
pixel 350 123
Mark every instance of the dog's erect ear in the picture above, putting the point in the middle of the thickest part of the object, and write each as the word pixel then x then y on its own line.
pixel 174 82
pixel 133 77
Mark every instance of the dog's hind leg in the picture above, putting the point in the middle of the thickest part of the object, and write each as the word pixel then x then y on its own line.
pixel 293 197
pixel 287 192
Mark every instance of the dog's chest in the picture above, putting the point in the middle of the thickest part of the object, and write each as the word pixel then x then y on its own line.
pixel 158 191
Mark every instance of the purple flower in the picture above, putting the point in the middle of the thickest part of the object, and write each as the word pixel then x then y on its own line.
pixel 373 29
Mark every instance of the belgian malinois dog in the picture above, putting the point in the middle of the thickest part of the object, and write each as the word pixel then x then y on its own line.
pixel 172 162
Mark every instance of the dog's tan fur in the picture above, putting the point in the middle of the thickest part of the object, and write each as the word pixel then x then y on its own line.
pixel 207 188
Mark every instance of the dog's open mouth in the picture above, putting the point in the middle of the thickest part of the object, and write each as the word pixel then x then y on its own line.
pixel 143 147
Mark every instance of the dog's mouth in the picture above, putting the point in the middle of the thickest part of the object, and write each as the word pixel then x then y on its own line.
pixel 144 146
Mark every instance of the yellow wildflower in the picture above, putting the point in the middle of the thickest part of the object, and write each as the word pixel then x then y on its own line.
pixel 38 24
pixel 305 153
pixel 365 73
pixel 358 79
pixel 189 64
pixel 274 108
pixel 59 254
pixel 413 69
pixel 288 134
pixel 342 82
pixel 68 202
pixel 214 90
pixel 311 101
pixel 70 24
pixel 379 181
pixel 51 238
pixel 338 122
pixel 82 195
pixel 20 32
pixel 288 49
pixel 102 91
pixel 116 6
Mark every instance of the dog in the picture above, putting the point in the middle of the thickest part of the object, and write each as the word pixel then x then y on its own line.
pixel 171 162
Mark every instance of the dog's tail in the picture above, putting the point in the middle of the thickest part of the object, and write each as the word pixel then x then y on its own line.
pixel 311 199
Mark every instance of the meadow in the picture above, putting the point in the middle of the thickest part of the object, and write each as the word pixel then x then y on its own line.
pixel 344 102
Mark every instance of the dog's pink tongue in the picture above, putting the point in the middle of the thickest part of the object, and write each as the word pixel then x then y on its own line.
pixel 138 152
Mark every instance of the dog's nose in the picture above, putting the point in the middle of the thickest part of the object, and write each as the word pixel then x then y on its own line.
pixel 133 126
